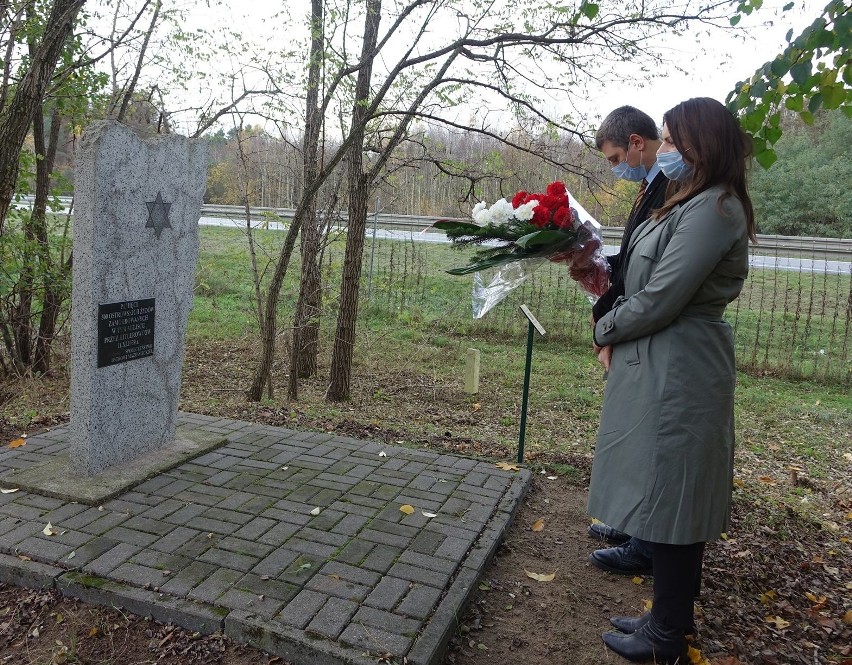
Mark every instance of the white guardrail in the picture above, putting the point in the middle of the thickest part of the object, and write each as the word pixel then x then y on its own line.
pixel 827 248
pixel 798 246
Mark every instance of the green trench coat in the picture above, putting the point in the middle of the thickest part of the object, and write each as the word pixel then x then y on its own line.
pixel 663 467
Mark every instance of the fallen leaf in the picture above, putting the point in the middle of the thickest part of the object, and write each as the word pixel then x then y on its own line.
pixel 538 525
pixel 481 647
pixel 595 520
pixel 477 406
pixel 818 601
pixel 24 557
pixel 49 530
pixel 334 576
pixel 778 622
pixel 93 631
pixel 72 555
pixel 265 578
pixel 647 605
pixel 407 509
pixel 429 515
pixel 383 454
pixel 723 536
pixel 766 479
pixel 540 577
pixel 767 597
pixel 284 468
pixel 507 466
pixel 9 491
pixel 17 443
pixel 827 623
pixel 315 511
pixel 638 580
pixel 847 618
pixel 695 656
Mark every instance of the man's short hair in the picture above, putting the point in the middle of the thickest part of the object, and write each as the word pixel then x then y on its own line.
pixel 621 123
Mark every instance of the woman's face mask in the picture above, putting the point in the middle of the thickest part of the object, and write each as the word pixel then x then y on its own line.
pixel 673 166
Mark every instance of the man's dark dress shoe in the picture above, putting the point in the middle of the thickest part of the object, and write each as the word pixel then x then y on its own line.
pixel 623 560
pixel 629 625
pixel 607 533
pixel 653 642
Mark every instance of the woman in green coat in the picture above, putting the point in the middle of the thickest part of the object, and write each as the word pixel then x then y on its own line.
pixel 663 465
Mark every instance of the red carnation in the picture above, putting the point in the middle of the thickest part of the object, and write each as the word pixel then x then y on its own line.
pixel 557 189
pixel 541 216
pixel 562 218
pixel 548 201
pixel 519 199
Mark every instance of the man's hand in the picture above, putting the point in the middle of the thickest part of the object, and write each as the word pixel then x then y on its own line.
pixel 604 355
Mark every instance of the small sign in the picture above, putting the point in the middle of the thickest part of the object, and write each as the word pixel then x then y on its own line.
pixel 527 313
pixel 125 331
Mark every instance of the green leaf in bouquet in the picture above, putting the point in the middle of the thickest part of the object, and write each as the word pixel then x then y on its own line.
pixel 543 238
pixel 490 262
pixel 456 226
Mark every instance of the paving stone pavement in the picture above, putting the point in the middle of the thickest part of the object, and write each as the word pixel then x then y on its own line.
pixel 290 541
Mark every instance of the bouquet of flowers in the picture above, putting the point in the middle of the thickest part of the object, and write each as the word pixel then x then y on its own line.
pixel 518 236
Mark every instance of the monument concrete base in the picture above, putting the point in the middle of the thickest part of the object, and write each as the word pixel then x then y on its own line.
pixel 56 478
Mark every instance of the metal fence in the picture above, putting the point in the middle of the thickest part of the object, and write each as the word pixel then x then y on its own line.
pixel 793 318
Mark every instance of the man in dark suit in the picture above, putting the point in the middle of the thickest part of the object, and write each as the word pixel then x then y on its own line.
pixel 628 139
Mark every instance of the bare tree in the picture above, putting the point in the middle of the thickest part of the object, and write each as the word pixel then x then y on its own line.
pixel 26 95
pixel 432 57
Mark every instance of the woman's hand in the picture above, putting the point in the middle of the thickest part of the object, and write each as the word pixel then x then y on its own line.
pixel 604 355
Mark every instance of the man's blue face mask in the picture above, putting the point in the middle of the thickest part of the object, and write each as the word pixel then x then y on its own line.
pixel 631 173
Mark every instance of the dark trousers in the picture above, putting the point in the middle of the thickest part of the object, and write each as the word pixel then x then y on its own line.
pixel 677 581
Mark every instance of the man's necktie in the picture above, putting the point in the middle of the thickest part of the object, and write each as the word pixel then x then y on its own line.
pixel 642 187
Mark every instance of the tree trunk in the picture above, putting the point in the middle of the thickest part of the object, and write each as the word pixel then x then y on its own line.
pixel 16 118
pixel 263 373
pixel 303 356
pixel 358 185
pixel 53 275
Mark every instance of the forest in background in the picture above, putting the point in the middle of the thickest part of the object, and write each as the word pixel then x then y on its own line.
pixel 805 193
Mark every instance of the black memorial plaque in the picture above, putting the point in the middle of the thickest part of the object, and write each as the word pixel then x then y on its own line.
pixel 125 331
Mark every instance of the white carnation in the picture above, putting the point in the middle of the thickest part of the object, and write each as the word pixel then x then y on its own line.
pixel 479 206
pixel 524 213
pixel 501 212
pixel 481 216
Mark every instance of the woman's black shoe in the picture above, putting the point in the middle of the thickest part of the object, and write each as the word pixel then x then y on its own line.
pixel 653 642
pixel 629 625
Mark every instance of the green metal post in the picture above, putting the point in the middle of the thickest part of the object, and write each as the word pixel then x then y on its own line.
pixel 526 394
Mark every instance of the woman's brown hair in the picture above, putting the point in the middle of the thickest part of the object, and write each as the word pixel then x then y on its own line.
pixel 710 138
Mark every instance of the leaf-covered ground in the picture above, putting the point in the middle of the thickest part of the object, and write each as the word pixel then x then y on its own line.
pixel 778 589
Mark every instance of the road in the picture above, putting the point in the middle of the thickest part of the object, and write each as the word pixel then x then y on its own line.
pixel 756 261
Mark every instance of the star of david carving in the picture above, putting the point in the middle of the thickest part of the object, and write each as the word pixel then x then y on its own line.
pixel 158 215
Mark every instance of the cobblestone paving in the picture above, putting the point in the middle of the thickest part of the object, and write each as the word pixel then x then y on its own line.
pixel 291 541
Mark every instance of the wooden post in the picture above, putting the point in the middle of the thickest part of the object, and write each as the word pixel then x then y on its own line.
pixel 471 372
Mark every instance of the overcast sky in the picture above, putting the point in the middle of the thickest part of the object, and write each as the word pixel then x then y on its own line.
pixel 714 64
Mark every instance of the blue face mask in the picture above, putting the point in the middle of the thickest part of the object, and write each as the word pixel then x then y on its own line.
pixel 627 172
pixel 673 166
